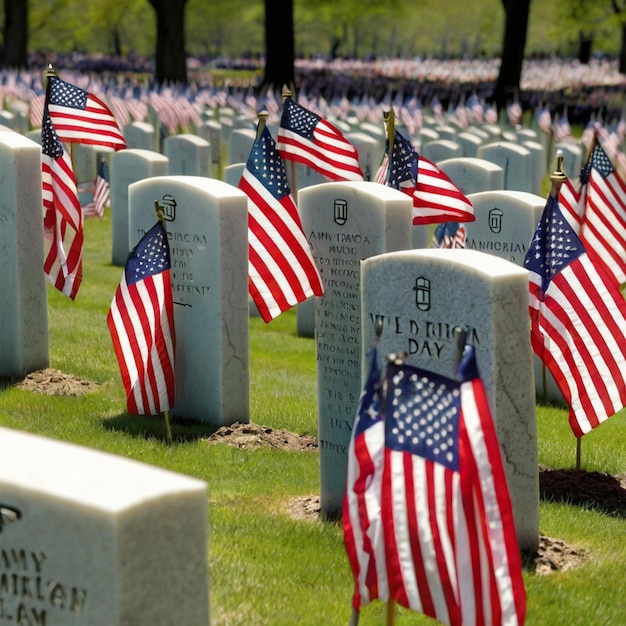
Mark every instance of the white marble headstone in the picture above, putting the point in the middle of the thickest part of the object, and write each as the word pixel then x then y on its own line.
pixel 515 161
pixel 23 291
pixel 345 222
pixel 505 225
pixel 127 167
pixel 188 155
pixel 441 149
pixel 140 135
pixel 471 174
pixel 92 538
pixel 369 150
pixel 240 144
pixel 207 227
pixel 420 297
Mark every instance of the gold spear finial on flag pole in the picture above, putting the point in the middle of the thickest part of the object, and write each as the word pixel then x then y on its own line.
pixel 558 177
pixel 48 73
pixel 389 117
pixel 262 115
pixel 160 211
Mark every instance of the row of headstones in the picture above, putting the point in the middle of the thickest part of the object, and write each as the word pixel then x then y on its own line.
pixel 207 229
pixel 115 516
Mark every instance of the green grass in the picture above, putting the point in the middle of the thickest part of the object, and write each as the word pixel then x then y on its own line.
pixel 267 568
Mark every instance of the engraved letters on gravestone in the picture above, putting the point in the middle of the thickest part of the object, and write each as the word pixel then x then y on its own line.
pixel 344 223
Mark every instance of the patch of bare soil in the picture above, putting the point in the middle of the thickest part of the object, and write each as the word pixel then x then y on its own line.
pixel 250 436
pixel 55 383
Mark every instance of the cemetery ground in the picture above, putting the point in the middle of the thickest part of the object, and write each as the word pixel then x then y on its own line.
pixel 272 560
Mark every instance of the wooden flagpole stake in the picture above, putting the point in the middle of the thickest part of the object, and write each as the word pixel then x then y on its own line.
pixel 288 93
pixel 391 612
pixel 354 618
pixel 578 451
pixel 166 414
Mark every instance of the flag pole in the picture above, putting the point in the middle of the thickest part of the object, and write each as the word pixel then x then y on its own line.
pixel 288 93
pixel 166 414
pixel 262 115
pixel 558 177
pixel 391 612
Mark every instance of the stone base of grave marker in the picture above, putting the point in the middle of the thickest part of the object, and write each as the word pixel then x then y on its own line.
pixel 91 538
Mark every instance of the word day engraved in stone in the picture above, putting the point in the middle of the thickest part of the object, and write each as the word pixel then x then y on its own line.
pixel 345 222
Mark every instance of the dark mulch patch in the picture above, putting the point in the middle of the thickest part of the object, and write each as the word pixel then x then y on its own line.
pixel 604 492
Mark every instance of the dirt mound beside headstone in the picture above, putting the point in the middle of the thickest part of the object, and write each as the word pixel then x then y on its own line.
pixel 52 382
pixel 254 436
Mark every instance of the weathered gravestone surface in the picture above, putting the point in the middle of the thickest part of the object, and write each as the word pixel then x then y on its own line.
pixel 207 228
pixel 505 225
pixel 471 174
pixel 469 142
pixel 515 161
pixel 140 135
pixel 23 292
pixel 420 297
pixel 92 539
pixel 538 164
pixel 127 167
pixel 369 151
pixel 441 149
pixel 240 144
pixel 233 172
pixel 345 222
pixel 188 155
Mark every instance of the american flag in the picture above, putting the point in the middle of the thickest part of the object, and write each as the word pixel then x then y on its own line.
pixel 306 138
pixel 449 235
pixel 578 322
pixel 572 203
pixel 362 521
pixel 81 117
pixel 603 229
pixel 101 193
pixel 281 269
pixel 451 547
pixel 435 197
pixel 63 219
pixel 141 323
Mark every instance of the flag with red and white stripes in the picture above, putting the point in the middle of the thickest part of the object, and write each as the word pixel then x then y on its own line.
pixel 81 117
pixel 449 534
pixel 281 269
pixel 63 219
pixel 362 521
pixel 101 193
pixel 306 138
pixel 603 229
pixel 435 197
pixel 578 322
pixel 141 323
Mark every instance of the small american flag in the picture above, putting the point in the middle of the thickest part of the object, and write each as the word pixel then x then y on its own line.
pixel 80 117
pixel 101 193
pixel 449 534
pixel 435 197
pixel 306 138
pixel 362 521
pixel 449 235
pixel 578 322
pixel 141 323
pixel 63 219
pixel 603 229
pixel 281 268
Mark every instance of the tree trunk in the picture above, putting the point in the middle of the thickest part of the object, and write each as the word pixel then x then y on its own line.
pixel 15 33
pixel 585 45
pixel 622 52
pixel 171 57
pixel 513 45
pixel 279 44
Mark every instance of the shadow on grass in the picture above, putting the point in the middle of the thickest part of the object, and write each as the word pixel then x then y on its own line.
pixel 603 492
pixel 154 427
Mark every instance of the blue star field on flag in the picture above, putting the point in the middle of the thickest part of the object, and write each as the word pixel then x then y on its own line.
pixel 266 165
pixel 554 246
pixel 151 255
